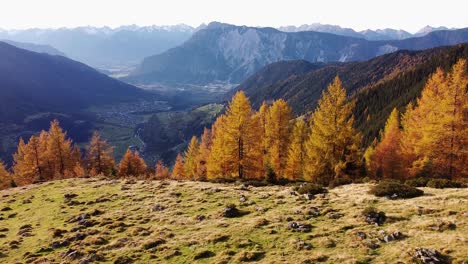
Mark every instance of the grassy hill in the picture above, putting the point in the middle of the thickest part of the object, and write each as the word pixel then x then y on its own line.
pixel 124 221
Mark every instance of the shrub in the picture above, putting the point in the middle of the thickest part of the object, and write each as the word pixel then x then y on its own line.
pixel 444 183
pixel 417 182
pixel 310 188
pixel 339 181
pixel 395 190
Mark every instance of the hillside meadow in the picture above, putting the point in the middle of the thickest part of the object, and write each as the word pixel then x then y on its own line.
pixel 128 221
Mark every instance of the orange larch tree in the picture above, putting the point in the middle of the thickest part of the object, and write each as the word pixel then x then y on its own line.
pixel 132 165
pixel 5 177
pixel 386 161
pixel 277 136
pixel 178 171
pixel 99 156
pixel 161 171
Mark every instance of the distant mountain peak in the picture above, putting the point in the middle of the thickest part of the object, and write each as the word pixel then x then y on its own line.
pixel 428 29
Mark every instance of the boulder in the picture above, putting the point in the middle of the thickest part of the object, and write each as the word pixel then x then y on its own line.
pixel 299 227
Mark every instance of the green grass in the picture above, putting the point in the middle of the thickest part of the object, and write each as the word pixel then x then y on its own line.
pixel 231 240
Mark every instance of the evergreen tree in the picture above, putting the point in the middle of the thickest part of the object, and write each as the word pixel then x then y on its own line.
pixel 178 171
pixel 297 152
pixel 332 148
pixel 99 158
pixel 277 135
pixel 190 164
pixel 386 159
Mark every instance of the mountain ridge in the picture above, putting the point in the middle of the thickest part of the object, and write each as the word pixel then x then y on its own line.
pixel 227 53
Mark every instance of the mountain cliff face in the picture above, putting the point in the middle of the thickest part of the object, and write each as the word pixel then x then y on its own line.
pixel 227 53
pixel 106 47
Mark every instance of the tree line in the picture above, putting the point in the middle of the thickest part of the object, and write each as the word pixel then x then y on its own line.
pixel 429 140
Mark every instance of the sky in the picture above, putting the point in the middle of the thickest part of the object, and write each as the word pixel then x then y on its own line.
pixel 410 15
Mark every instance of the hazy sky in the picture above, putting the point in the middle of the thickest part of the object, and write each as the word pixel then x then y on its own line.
pixel 410 15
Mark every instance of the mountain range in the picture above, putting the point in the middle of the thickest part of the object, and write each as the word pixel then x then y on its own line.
pixel 227 53
pixel 105 47
pixel 378 34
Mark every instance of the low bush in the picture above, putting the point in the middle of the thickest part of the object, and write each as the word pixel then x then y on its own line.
pixel 417 182
pixel 444 183
pixel 395 190
pixel 339 181
pixel 310 188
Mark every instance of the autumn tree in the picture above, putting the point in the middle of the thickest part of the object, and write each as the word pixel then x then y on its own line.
pixel 233 152
pixel 99 156
pixel 5 177
pixel 161 171
pixel 29 162
pixel 296 151
pixel 132 165
pixel 59 151
pixel 277 135
pixel 260 117
pixel 368 156
pixel 178 171
pixel 386 158
pixel 203 154
pixel 190 164
pixel 332 148
pixel 435 128
pixel 219 158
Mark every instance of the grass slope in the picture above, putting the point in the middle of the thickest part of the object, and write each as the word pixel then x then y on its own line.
pixel 124 221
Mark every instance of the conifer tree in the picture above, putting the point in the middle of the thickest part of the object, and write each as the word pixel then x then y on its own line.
pixel 161 171
pixel 5 177
pixel 132 165
pixel 59 150
pixel 30 165
pixel 332 148
pixel 219 158
pixel 232 154
pixel 178 171
pixel 386 159
pixel 78 170
pixel 190 164
pixel 435 129
pixel 99 156
pixel 260 118
pixel 368 156
pixel 297 152
pixel 277 135
pixel 203 154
